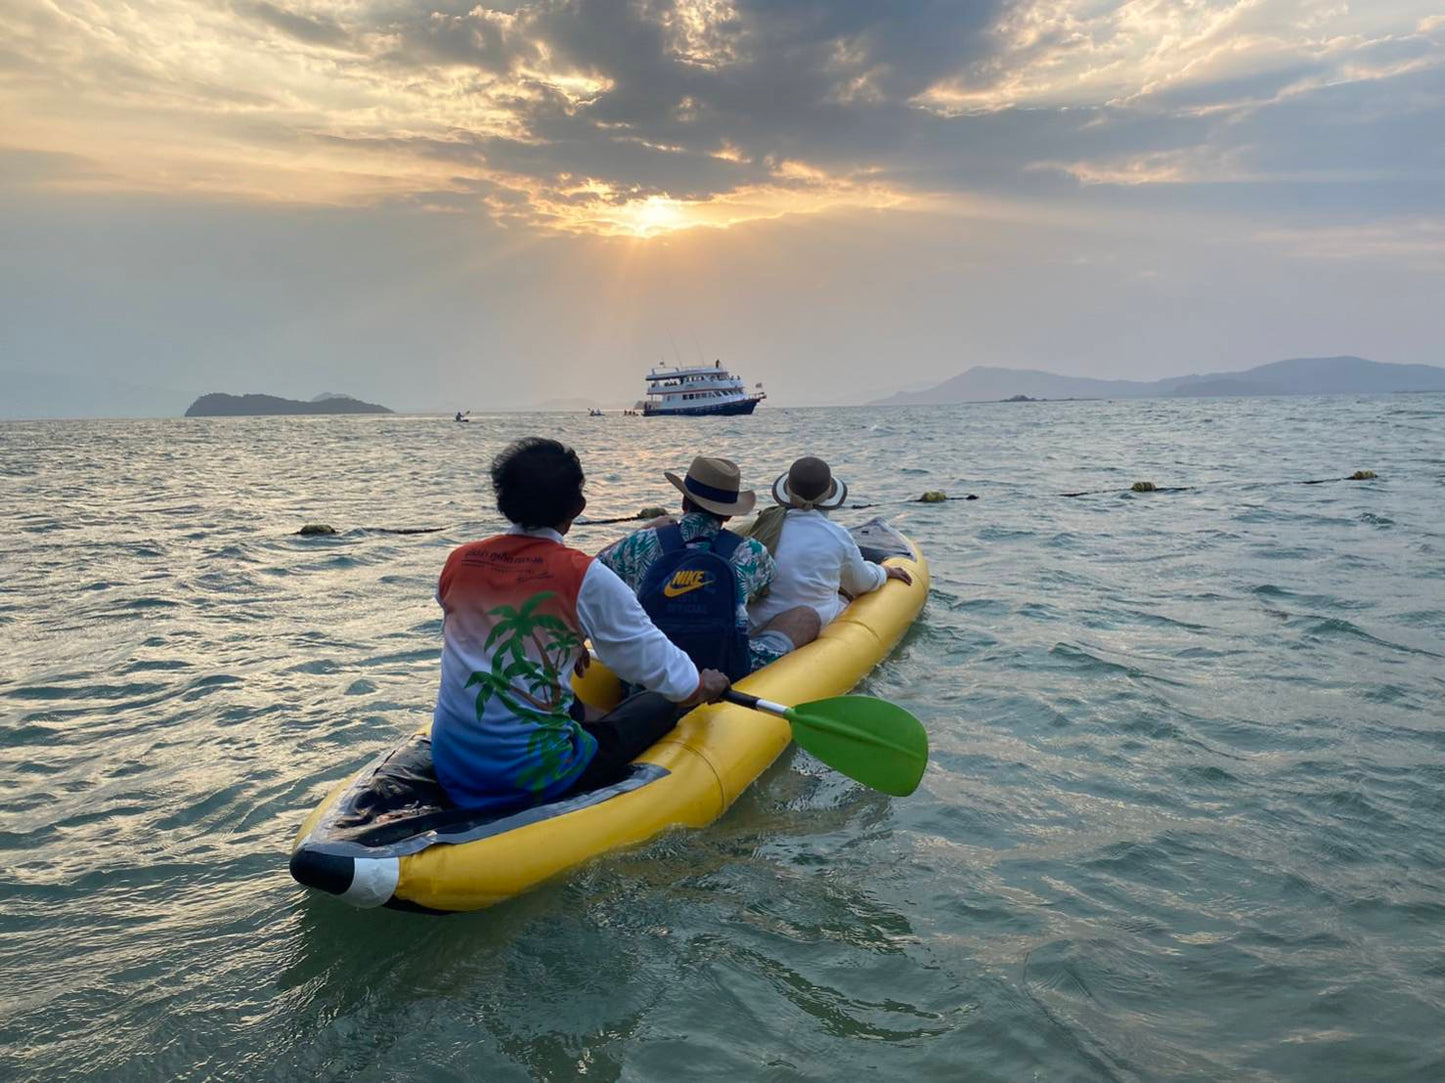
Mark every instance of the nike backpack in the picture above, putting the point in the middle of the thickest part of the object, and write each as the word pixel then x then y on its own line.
pixel 691 594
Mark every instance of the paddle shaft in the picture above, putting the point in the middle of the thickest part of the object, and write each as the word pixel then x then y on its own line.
pixel 742 699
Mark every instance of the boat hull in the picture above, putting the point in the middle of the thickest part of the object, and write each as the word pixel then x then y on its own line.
pixel 725 409
pixel 688 779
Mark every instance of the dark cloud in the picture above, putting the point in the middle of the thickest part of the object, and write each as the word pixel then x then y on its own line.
pixel 307 28
pixel 826 83
pixel 489 39
pixel 835 84
pixel 792 84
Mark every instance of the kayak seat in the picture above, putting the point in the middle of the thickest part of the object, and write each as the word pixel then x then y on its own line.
pixel 403 800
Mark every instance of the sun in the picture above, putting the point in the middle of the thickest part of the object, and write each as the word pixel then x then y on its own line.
pixel 596 208
pixel 653 215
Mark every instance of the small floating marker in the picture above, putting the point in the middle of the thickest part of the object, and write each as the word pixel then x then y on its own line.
pixel 651 513
pixel 933 496
pixel 1363 475
pixel 312 529
pixel 1144 487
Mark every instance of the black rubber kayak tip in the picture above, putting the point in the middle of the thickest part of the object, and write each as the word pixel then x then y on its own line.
pixel 325 872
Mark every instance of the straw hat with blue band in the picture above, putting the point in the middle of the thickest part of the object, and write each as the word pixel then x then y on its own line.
pixel 715 485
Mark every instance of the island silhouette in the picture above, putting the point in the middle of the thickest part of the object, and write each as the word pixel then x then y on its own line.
pixel 218 404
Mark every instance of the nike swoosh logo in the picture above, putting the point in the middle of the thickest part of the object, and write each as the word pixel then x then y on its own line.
pixel 671 591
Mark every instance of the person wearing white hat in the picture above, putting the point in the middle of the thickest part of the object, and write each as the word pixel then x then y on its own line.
pixel 815 557
pixel 697 558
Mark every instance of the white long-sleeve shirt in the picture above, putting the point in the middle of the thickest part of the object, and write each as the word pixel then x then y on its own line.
pixel 816 558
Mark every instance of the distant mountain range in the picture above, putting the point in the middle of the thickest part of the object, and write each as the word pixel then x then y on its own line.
pixel 1299 376
pixel 219 405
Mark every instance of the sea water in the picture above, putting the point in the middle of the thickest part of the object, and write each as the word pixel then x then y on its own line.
pixel 1183 818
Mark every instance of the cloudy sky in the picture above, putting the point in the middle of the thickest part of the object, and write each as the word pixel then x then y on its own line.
pixel 444 205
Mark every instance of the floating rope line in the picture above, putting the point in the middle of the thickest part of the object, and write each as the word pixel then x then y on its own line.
pixel 1137 487
pixel 645 513
pixel 313 530
pixel 932 496
pixel 1150 487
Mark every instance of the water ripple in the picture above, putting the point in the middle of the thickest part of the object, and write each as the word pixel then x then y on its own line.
pixel 1181 820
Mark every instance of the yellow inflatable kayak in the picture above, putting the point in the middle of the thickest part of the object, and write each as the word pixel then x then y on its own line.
pixel 384 837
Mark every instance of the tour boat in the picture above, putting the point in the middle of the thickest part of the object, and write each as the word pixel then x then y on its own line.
pixel 708 390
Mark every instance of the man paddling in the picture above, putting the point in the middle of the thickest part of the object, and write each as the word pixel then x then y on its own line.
pixel 695 578
pixel 508 731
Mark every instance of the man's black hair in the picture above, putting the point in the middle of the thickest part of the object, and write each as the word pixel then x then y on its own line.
pixel 689 506
pixel 538 482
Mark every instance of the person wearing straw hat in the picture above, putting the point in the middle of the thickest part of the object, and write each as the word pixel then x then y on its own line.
pixel 815 558
pixel 697 554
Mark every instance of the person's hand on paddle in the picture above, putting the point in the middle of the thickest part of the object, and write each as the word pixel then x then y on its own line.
pixel 898 573
pixel 711 686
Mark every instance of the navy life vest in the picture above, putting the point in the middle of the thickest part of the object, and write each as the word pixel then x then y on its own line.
pixel 691 594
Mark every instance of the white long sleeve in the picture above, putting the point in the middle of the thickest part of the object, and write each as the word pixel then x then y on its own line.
pixel 816 558
pixel 857 575
pixel 627 641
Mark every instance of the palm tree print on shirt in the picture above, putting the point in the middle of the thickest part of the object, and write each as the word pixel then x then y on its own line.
pixel 529 687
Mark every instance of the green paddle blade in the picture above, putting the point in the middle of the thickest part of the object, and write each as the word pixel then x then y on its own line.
pixel 871 740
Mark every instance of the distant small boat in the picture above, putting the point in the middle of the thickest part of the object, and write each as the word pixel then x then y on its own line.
pixel 595 413
pixel 708 390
